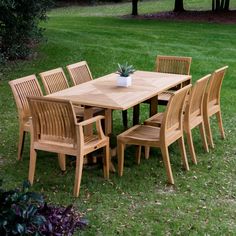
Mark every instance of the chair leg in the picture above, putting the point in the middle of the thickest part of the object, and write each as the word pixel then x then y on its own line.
pixel 21 143
pixel 220 124
pixel 120 152
pixel 125 119
pixel 106 161
pixel 138 154
pixel 208 131
pixel 62 161
pixel 78 174
pixel 203 134
pixel 32 165
pixel 190 145
pixel 166 159
pixel 147 151
pixel 183 152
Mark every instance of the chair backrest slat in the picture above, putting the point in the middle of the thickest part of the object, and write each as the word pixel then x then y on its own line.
pixel 173 116
pixel 53 120
pixel 173 64
pixel 54 80
pixel 214 86
pixel 79 72
pixel 21 89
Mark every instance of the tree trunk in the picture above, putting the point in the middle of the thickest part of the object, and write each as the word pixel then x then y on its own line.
pixel 134 7
pixel 217 5
pixel 220 5
pixel 179 6
pixel 226 7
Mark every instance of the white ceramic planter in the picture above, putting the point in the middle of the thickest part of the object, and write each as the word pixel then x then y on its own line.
pixel 124 81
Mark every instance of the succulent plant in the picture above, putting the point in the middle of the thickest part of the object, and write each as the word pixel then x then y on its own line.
pixel 125 70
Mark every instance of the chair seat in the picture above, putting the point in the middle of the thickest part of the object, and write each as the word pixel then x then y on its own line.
pixel 141 133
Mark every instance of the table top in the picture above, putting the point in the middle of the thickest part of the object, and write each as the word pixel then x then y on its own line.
pixel 103 92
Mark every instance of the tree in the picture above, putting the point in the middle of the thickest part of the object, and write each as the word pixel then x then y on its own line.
pixel 220 5
pixel 179 6
pixel 134 7
pixel 19 26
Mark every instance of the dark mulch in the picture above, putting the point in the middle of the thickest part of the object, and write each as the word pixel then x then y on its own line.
pixel 195 16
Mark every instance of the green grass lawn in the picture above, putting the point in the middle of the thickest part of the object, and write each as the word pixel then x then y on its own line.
pixel 202 202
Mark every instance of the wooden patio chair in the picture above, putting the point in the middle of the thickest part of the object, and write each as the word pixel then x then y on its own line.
pixel 173 65
pixel 167 64
pixel 211 104
pixel 193 115
pixel 55 129
pixel 21 88
pixel 54 80
pixel 79 72
pixel 151 136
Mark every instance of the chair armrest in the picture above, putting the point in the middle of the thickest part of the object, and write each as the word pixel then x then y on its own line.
pixel 96 119
pixel 90 120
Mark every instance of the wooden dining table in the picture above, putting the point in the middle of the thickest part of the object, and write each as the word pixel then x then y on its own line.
pixel 103 92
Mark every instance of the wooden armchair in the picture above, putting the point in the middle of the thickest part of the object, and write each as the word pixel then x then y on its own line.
pixel 21 88
pixel 170 131
pixel 211 104
pixel 55 129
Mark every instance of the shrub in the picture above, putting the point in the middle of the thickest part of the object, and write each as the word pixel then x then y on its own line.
pixel 19 26
pixel 26 213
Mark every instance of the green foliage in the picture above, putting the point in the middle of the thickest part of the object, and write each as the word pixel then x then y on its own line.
pixel 125 70
pixel 19 26
pixel 25 213
pixel 18 211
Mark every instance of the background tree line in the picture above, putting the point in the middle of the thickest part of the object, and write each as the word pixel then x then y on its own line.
pixel 19 22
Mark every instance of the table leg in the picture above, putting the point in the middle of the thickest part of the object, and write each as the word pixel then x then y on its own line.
pixel 153 106
pixel 88 113
pixel 108 131
pixel 136 114
pixel 108 121
pixel 125 119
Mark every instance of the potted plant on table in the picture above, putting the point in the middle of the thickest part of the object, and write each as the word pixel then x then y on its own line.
pixel 124 70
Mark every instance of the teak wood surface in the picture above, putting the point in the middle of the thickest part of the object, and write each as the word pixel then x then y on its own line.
pixel 103 92
pixel 55 129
